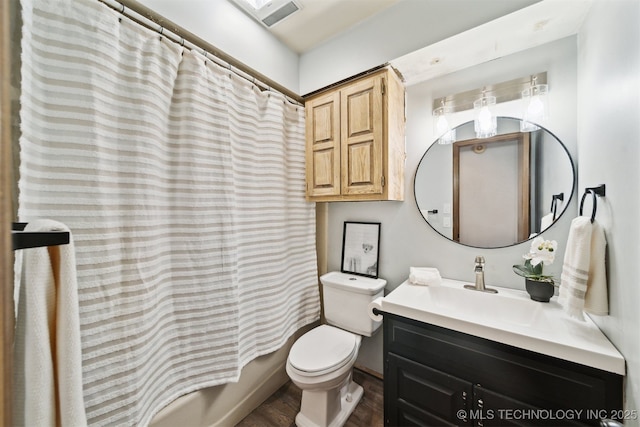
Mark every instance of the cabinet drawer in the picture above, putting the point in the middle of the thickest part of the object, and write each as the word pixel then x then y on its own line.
pixel 540 380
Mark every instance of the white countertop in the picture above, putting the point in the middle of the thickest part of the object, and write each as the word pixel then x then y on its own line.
pixel 508 317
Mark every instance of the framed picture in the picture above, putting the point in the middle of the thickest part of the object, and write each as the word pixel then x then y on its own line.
pixel 360 242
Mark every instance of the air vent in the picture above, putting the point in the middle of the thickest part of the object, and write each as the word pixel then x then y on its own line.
pixel 280 14
pixel 270 12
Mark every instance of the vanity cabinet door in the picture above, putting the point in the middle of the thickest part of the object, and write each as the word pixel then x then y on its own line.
pixel 421 396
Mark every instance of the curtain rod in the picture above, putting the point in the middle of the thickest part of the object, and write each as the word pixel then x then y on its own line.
pixel 146 17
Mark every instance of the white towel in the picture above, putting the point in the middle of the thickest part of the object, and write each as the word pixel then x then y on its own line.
pixel 583 284
pixel 596 300
pixel 48 359
pixel 424 276
pixel 546 221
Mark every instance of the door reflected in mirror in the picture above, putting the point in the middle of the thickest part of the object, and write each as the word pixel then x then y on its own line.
pixel 498 191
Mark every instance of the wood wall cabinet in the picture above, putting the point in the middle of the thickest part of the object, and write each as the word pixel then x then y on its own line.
pixel 355 144
pixel 438 377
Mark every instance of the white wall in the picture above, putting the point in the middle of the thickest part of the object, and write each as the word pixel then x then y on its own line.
pixel 226 27
pixel 406 240
pixel 609 153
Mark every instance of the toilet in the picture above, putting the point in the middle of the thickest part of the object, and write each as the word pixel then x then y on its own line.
pixel 320 362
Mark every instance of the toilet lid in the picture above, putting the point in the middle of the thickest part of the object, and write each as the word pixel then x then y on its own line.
pixel 322 348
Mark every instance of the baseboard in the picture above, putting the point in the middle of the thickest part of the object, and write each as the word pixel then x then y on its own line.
pixel 369 371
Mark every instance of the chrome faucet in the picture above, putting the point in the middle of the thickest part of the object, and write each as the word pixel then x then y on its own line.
pixel 479 270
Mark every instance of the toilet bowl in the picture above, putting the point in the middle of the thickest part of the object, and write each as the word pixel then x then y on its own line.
pixel 320 362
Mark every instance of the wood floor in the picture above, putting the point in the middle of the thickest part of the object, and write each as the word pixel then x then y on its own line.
pixel 281 408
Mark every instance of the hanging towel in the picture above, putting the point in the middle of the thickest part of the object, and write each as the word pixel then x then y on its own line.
pixel 596 300
pixel 47 354
pixel 583 284
pixel 424 276
pixel 546 221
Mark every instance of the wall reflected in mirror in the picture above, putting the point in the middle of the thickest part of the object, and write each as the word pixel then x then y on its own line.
pixel 498 191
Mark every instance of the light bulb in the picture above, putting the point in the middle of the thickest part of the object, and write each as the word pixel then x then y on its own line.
pixel 485 123
pixel 442 125
pixel 536 107
pixel 484 117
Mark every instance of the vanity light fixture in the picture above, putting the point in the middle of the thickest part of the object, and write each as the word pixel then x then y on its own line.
pixel 442 124
pixel 532 88
pixel 485 122
pixel 535 106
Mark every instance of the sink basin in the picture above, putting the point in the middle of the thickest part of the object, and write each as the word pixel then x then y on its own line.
pixel 485 307
pixel 509 317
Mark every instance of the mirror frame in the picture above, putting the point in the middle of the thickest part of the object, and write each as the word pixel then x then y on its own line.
pixel 566 204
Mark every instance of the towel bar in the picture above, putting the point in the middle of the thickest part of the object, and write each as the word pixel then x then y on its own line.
pixel 30 239
pixel 595 191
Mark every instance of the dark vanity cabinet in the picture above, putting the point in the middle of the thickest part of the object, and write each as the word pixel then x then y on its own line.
pixel 438 377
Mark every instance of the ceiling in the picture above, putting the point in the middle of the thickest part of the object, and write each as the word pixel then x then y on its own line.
pixel 319 20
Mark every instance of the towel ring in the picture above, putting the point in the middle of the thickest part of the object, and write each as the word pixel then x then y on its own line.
pixel 595 191
pixel 554 203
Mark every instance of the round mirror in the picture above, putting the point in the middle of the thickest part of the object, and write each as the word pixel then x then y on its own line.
pixel 498 191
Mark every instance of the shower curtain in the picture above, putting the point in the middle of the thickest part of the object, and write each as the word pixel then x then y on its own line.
pixel 183 185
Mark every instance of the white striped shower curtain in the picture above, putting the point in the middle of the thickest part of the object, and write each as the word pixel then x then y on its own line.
pixel 183 186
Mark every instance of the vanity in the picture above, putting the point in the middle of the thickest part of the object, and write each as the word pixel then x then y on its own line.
pixel 454 356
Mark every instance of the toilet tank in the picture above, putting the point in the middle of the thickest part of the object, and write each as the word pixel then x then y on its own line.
pixel 346 299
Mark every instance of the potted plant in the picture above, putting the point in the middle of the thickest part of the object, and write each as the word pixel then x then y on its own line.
pixel 540 286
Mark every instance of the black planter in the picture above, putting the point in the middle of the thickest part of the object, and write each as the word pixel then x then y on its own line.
pixel 539 291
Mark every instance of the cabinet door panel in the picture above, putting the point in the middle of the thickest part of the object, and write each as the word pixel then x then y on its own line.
pixel 360 110
pixel 360 164
pixel 362 137
pixel 500 410
pixel 323 168
pixel 426 394
pixel 409 415
pixel 323 145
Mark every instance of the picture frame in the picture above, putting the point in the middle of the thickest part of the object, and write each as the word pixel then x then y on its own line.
pixel 360 248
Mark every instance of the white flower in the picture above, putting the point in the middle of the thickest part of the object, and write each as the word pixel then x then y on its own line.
pixel 542 251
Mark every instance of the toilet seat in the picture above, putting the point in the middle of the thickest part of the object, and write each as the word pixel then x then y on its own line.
pixel 323 349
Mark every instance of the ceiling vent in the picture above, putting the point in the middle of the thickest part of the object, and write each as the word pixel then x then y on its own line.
pixel 271 12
